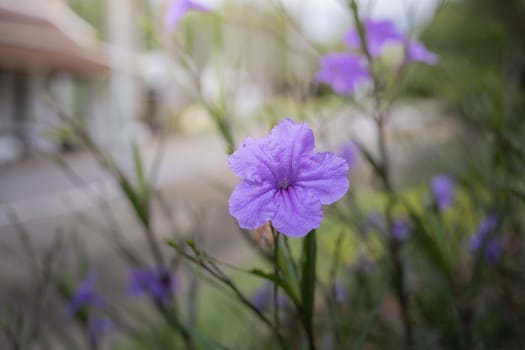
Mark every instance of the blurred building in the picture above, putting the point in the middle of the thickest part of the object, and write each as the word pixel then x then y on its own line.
pixel 50 64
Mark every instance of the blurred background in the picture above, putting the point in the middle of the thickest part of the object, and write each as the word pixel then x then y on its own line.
pixel 116 68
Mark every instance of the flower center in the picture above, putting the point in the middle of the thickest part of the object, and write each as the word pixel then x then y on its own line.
pixel 284 183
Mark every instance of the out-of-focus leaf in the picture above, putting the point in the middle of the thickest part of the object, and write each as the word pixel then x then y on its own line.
pixel 135 200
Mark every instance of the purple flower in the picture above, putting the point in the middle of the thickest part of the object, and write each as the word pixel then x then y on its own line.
pixel 283 180
pixel 350 153
pixel 493 250
pixel 487 225
pixel 416 51
pixel 178 8
pixel 443 190
pixel 98 327
pixel 262 298
pixel 344 72
pixel 400 230
pixel 378 34
pixel 339 292
pixel 157 283
pixel 85 296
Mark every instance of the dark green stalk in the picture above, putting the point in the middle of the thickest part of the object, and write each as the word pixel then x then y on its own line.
pixel 308 280
pixel 275 286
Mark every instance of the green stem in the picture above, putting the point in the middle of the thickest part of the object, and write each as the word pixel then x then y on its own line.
pixel 308 279
pixel 275 286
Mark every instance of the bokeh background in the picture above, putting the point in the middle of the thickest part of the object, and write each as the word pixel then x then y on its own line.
pixel 115 67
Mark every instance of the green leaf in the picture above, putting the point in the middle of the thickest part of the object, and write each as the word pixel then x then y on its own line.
pixel 309 256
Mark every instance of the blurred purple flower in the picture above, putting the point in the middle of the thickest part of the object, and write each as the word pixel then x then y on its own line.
pixel 350 153
pixel 178 8
pixel 378 34
pixel 344 72
pixel 400 230
pixel 443 190
pixel 339 292
pixel 487 225
pixel 262 298
pixel 283 180
pixel 416 51
pixel 97 328
pixel 493 250
pixel 157 283
pixel 85 296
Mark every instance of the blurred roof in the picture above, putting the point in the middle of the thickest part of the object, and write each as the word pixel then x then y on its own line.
pixel 47 35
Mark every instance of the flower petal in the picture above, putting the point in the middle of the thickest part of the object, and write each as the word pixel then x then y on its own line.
pixel 416 51
pixel 325 176
pixel 178 8
pixel 253 161
pixel 378 33
pixel 344 72
pixel 298 212
pixel 252 204
pixel 290 142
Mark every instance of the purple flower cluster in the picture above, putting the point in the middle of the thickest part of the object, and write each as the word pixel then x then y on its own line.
pixel 178 8
pixel 345 72
pixel 493 247
pixel 85 296
pixel 285 181
pixel 443 190
pixel 156 283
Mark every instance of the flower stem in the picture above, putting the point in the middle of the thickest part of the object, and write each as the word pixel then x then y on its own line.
pixel 383 171
pixel 275 286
